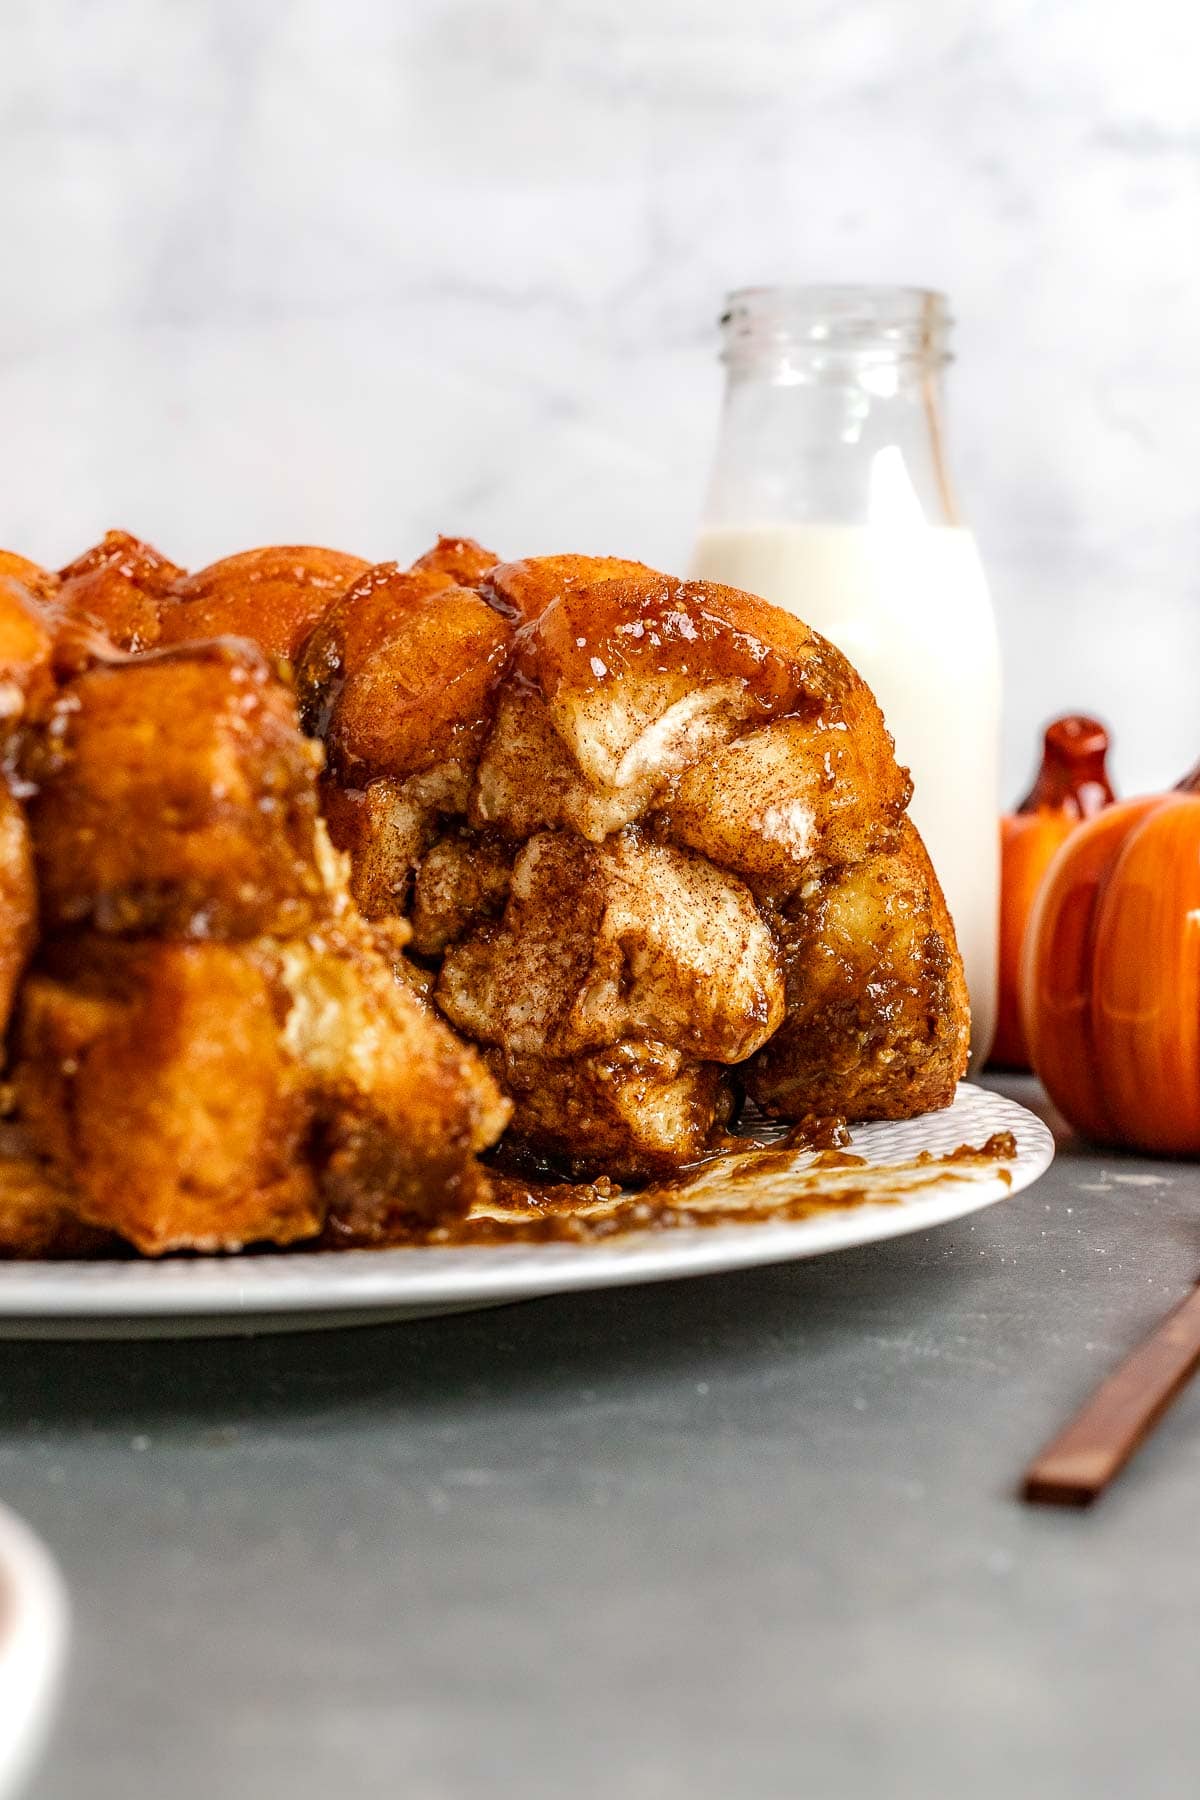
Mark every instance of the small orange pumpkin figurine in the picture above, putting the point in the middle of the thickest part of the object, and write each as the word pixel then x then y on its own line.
pixel 1072 784
pixel 1111 974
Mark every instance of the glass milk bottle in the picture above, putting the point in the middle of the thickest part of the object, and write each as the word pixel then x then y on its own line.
pixel 831 497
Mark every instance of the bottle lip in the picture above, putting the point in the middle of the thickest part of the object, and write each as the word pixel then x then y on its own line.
pixel 823 321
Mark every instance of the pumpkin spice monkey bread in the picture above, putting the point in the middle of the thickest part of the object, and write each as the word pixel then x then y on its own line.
pixel 608 851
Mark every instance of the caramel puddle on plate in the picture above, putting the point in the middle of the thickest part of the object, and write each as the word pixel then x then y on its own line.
pixel 800 1174
pixel 750 1185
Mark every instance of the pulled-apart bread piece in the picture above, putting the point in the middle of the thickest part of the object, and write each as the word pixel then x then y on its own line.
pixel 634 801
pixel 789 796
pixel 631 693
pixel 174 793
pixel 210 1095
pixel 639 1107
pixel 628 947
pixel 213 1047
pixel 399 674
pixel 462 879
pixel 153 1077
pixel 625 939
pixel 620 680
pixel 398 678
pixel 403 1107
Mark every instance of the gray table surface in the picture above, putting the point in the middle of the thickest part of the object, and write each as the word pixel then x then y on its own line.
pixel 751 1535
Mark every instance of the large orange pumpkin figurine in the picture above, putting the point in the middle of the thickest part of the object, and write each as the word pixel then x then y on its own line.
pixel 1072 784
pixel 1111 974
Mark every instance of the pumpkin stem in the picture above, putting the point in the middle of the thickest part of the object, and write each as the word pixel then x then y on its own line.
pixel 1073 778
pixel 1190 783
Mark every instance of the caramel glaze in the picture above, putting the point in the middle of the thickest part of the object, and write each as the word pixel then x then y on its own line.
pixel 276 595
pixel 589 621
pixel 138 598
pixel 400 673
pixel 118 587
pixel 464 559
pixel 525 1210
pixel 1001 1146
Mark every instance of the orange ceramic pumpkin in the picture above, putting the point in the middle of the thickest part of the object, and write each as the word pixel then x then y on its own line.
pixel 1072 784
pixel 1111 974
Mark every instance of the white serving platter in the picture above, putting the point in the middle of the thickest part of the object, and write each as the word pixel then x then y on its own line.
pixel 300 1290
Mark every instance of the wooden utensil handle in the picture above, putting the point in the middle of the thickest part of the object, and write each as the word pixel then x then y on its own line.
pixel 1076 1467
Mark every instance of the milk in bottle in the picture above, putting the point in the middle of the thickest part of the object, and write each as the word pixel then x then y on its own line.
pixel 831 497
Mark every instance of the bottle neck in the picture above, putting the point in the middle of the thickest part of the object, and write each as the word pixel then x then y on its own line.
pixel 808 332
pixel 833 410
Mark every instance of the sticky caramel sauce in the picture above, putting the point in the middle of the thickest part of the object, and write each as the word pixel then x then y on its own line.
pixel 744 1183
pixel 800 1175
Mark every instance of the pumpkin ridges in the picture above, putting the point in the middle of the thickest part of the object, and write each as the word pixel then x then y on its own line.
pixel 1146 981
pixel 1057 964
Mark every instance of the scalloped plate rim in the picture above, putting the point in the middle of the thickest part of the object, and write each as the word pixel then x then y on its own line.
pixel 305 1289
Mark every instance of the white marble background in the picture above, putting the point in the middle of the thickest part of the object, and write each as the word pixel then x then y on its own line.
pixel 352 271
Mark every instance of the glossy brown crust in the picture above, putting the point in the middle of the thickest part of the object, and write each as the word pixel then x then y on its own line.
pixel 526 588
pixel 26 641
pixel 877 1022
pixel 118 586
pixel 400 674
pixel 634 665
pixel 175 793
pixel 466 562
pixel 273 596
